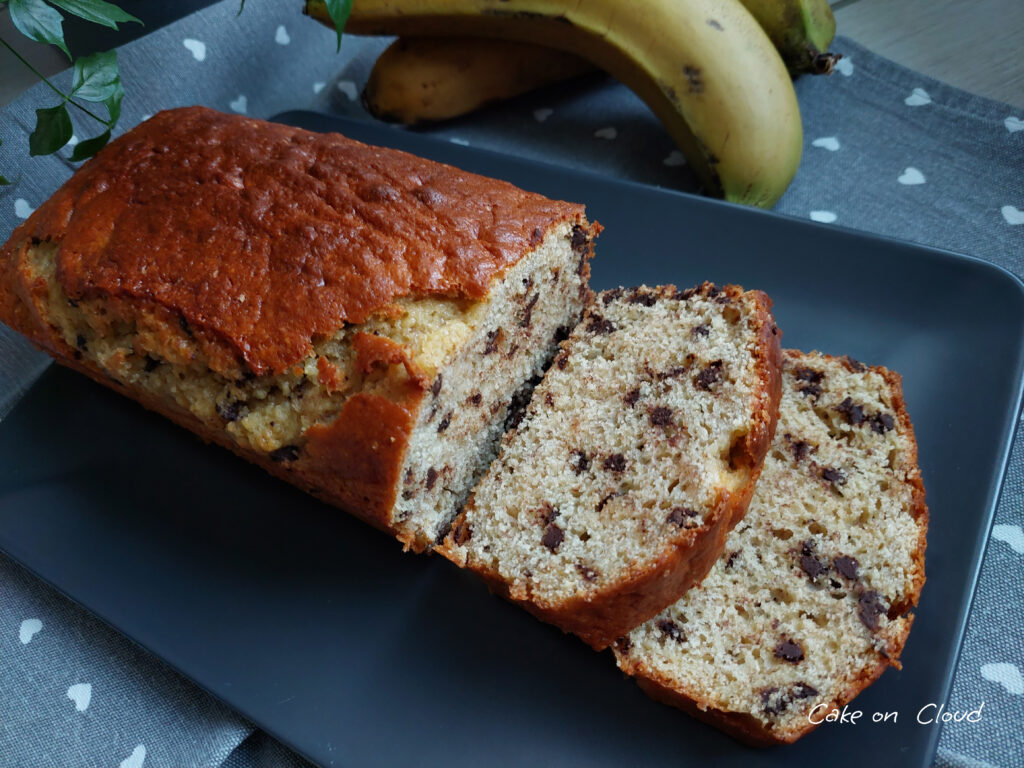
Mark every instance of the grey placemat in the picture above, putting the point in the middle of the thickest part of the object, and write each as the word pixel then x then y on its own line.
pixel 887 150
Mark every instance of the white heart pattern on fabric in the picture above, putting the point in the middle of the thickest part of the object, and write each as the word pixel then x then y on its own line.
pixel 1011 534
pixel 1012 214
pixel 348 88
pixel 675 159
pixel 73 140
pixel 1007 675
pixel 317 87
pixel 918 98
pixel 198 48
pixel 542 114
pixel 844 66
pixel 28 629
pixel 825 217
pixel 460 142
pixel 134 760
pixel 1014 124
pixel 240 104
pixel 606 133
pixel 81 694
pixel 22 209
pixel 911 176
pixel 831 143
pixel 281 35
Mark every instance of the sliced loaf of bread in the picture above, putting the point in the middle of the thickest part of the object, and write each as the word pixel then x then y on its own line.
pixel 809 603
pixel 636 454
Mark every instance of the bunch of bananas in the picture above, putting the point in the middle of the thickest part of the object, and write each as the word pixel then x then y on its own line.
pixel 713 71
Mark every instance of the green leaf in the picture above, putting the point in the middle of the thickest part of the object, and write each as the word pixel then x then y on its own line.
pixel 96 11
pixel 53 131
pixel 339 10
pixel 96 77
pixel 38 21
pixel 3 181
pixel 113 104
pixel 89 147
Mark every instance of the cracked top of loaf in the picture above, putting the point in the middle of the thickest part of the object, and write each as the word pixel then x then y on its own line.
pixel 256 239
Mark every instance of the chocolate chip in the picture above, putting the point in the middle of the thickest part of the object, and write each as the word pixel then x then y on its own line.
pixel 492 341
pixel 675 373
pixel 601 504
pixel 804 691
pixel 846 566
pixel 431 478
pixel 475 399
pixel 285 453
pixel 528 311
pixel 562 333
pixel 644 298
pixel 730 561
pixel 579 461
pixel 445 422
pixel 553 537
pixel 712 291
pixel 856 365
pixel 799 448
pixel 790 651
pixel 700 330
pixel 689 293
pixel 854 413
pixel 609 296
pixel 661 416
pixel 772 702
pixel 809 374
pixel 549 400
pixel 809 563
pixel 833 475
pixel 588 573
pixel 680 516
pixel 536 236
pixel 406 495
pixel 462 532
pixel 711 374
pixel 151 364
pixel 631 397
pixel 869 608
pixel 80 343
pixel 547 514
pixel 882 423
pixel 517 407
pixel 578 240
pixel 615 463
pixel 670 629
pixel 623 645
pixel 435 388
pixel 811 390
pixel 598 324
pixel 229 411
pixel 562 360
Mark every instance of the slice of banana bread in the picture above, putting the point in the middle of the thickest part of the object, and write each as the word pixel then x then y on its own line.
pixel 809 603
pixel 635 456
pixel 353 319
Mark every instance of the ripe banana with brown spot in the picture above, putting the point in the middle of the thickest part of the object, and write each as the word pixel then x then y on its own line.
pixel 704 67
pixel 802 31
pixel 420 79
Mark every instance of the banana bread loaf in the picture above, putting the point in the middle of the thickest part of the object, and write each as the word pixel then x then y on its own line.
pixel 636 454
pixel 809 603
pixel 353 319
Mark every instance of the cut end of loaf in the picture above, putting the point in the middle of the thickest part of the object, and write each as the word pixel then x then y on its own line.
pixel 636 454
pixel 809 602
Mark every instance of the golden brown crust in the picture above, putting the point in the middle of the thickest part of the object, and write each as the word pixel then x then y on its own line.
pixel 157 229
pixel 600 617
pixel 264 237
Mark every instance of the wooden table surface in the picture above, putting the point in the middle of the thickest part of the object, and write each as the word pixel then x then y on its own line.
pixel 977 45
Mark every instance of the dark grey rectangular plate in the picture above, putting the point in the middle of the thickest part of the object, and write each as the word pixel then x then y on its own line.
pixel 322 632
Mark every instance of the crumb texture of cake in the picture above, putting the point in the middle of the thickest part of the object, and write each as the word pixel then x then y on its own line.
pixel 636 454
pixel 354 319
pixel 810 601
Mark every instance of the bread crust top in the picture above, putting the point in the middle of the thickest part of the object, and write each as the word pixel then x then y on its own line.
pixel 262 237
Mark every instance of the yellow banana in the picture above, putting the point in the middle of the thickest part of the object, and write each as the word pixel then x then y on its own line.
pixel 418 79
pixel 802 31
pixel 704 67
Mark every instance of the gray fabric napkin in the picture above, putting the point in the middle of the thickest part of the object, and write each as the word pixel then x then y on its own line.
pixel 886 150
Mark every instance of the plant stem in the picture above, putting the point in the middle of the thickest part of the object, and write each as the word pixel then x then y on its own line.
pixel 55 89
